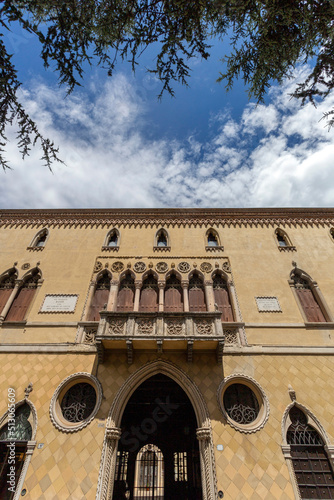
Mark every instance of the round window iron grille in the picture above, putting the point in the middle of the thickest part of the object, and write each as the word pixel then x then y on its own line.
pixel 78 402
pixel 241 404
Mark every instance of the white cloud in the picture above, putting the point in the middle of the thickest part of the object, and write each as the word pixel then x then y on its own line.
pixel 112 163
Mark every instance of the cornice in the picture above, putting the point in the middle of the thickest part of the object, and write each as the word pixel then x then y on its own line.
pixel 168 217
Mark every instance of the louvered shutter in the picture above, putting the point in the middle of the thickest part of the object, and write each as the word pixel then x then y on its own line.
pixel 4 296
pixel 310 306
pixel 148 300
pixel 173 300
pixel 196 299
pixel 19 307
pixel 100 298
pixel 125 299
pixel 222 300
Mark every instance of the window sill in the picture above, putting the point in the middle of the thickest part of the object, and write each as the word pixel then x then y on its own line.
pixel 320 324
pixel 16 324
pixel 214 249
pixel 288 248
pixel 36 249
pixel 110 249
pixel 161 249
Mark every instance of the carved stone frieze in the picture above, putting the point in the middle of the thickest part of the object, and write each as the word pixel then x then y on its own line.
pixel 116 327
pixel 184 267
pixel 231 336
pixel 145 326
pixel 175 326
pixel 117 267
pixel 206 267
pixel 98 266
pixel 161 267
pixel 90 336
pixel 226 266
pixel 204 326
pixel 139 267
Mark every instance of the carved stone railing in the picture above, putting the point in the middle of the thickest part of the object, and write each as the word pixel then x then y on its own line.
pixel 137 325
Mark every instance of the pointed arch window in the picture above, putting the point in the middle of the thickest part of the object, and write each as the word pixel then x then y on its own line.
pixel 7 284
pixel 310 304
pixel 196 294
pixel 312 468
pixel 213 241
pixel 126 293
pixel 283 241
pixel 161 240
pixel 173 301
pixel 24 298
pixel 39 240
pixel 100 297
pixel 112 240
pixel 222 298
pixel 149 295
pixel 17 431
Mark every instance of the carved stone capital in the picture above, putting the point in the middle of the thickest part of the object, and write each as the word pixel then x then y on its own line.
pixel 203 434
pixel 184 284
pixel 161 285
pixel 113 433
pixel 138 284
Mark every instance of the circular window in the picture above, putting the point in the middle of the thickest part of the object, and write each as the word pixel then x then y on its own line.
pixel 76 402
pixel 243 403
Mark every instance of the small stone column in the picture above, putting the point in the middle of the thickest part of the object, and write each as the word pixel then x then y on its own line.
pixel 234 302
pixel 89 300
pixel 209 296
pixel 137 296
pixel 161 286
pixel 112 299
pixel 18 284
pixel 113 435
pixel 185 295
pixel 209 487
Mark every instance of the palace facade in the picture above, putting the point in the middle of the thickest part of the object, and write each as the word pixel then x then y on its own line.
pixel 167 354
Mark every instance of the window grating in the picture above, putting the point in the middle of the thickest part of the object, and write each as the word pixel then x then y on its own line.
pixel 78 402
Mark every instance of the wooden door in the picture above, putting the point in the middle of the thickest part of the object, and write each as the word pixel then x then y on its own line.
pixel 222 300
pixel 173 300
pixel 196 299
pixel 4 296
pixel 20 305
pixel 310 306
pixel 100 298
pixel 148 300
pixel 125 299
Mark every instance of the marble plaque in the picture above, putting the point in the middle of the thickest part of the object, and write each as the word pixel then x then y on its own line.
pixel 59 303
pixel 268 304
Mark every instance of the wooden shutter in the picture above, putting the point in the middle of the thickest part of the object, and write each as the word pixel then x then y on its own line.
pixel 19 307
pixel 125 299
pixel 100 298
pixel 222 300
pixel 310 306
pixel 148 300
pixel 196 299
pixel 4 296
pixel 173 300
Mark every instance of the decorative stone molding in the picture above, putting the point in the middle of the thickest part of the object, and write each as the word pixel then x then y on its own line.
pixel 263 402
pixel 109 451
pixel 231 336
pixel 312 419
pixel 55 410
pixel 226 267
pixel 98 266
pixel 206 267
pixel 242 217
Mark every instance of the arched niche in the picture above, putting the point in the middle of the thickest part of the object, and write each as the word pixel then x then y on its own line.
pixel 113 430
pixel 23 432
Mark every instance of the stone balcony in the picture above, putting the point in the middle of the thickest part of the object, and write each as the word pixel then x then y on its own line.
pixel 159 331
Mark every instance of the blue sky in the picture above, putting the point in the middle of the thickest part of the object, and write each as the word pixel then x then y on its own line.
pixel 204 148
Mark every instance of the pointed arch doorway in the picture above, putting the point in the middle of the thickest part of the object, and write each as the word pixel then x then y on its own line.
pixel 158 452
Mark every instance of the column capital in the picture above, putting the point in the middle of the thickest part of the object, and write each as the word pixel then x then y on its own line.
pixel 203 433
pixel 208 283
pixel 161 285
pixel 113 433
pixel 184 284
pixel 138 284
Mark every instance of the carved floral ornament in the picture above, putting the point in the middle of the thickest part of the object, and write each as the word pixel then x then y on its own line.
pixel 117 267
pixel 161 267
pixel 184 267
pixel 139 267
pixel 75 402
pixel 243 403
pixel 206 267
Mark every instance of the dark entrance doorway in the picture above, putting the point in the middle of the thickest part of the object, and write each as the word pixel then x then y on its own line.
pixel 158 453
